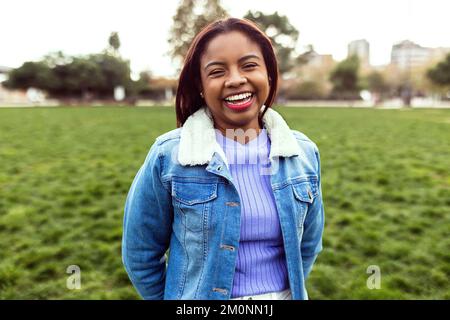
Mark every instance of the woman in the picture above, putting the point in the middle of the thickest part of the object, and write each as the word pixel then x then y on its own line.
pixel 233 192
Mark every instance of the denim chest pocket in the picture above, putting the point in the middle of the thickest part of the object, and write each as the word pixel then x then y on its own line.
pixel 304 193
pixel 193 201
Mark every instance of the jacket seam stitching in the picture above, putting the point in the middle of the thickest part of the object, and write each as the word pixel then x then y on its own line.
pixel 186 262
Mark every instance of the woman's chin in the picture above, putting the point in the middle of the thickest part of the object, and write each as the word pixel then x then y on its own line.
pixel 243 118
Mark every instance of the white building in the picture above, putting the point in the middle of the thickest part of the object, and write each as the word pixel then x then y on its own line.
pixel 3 73
pixel 407 54
pixel 360 48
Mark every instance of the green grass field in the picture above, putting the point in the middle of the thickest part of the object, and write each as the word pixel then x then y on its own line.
pixel 65 173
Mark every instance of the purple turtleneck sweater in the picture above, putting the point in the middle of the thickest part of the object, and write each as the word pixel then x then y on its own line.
pixel 261 261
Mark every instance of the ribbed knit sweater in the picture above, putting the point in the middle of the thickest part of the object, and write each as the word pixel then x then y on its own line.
pixel 261 261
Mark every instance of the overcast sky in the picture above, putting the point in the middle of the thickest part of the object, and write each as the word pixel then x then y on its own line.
pixel 29 29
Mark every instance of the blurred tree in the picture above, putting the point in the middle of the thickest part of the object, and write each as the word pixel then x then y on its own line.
pixel 344 78
pixel 141 86
pixel 440 74
pixel 83 77
pixel 31 74
pixel 57 63
pixel 377 85
pixel 115 72
pixel 306 56
pixel 57 58
pixel 187 23
pixel 114 43
pixel 305 90
pixel 96 74
pixel 282 34
pixel 212 11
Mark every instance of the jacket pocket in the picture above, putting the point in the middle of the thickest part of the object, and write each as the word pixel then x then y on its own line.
pixel 304 193
pixel 193 201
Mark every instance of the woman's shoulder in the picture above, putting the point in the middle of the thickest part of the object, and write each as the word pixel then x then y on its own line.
pixel 309 149
pixel 172 135
pixel 304 141
pixel 165 143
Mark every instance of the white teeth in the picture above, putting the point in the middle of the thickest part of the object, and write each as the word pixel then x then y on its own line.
pixel 242 102
pixel 238 96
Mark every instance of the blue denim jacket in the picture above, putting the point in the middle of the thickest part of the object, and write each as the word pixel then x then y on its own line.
pixel 183 198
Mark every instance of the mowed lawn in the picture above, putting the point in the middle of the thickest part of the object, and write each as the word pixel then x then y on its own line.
pixel 65 173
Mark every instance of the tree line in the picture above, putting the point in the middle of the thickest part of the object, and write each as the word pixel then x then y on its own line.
pixel 91 76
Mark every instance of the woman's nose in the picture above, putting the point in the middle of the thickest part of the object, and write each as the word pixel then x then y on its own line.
pixel 235 79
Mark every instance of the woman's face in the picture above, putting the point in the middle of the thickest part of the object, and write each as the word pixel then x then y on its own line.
pixel 232 64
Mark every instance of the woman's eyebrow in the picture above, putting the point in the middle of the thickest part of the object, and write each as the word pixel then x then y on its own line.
pixel 249 56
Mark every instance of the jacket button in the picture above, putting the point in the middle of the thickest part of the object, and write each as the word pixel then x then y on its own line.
pixel 232 204
pixel 223 291
pixel 227 247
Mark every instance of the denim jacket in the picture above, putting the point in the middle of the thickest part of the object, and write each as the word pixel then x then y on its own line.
pixel 183 198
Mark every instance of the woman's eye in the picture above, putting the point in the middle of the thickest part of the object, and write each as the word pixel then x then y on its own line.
pixel 215 73
pixel 219 72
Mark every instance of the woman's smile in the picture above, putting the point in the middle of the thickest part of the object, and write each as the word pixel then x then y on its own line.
pixel 239 102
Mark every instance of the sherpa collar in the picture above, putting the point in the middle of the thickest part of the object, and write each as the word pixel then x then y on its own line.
pixel 198 140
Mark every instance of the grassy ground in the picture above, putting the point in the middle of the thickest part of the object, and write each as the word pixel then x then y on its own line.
pixel 65 173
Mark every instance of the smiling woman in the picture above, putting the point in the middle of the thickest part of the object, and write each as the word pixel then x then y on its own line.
pixel 226 59
pixel 233 191
pixel 234 81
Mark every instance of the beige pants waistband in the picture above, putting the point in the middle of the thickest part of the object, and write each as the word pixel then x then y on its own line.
pixel 282 295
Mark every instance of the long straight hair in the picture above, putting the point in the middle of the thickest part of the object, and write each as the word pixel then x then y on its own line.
pixel 188 99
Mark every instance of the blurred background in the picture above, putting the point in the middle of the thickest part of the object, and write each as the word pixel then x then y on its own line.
pixel 86 87
pixel 358 53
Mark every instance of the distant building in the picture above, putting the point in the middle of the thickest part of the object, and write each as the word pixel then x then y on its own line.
pixel 309 78
pixel 439 53
pixel 163 88
pixel 3 73
pixel 360 48
pixel 320 60
pixel 407 54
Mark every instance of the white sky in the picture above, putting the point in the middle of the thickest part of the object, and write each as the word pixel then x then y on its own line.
pixel 29 29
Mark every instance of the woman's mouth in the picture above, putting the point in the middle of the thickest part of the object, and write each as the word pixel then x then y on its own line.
pixel 240 104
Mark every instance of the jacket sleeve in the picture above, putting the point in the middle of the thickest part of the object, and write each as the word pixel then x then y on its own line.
pixel 146 229
pixel 313 226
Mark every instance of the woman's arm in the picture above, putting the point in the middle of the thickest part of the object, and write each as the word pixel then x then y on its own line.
pixel 313 227
pixel 147 229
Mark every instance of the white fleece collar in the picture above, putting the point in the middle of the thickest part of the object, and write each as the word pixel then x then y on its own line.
pixel 198 140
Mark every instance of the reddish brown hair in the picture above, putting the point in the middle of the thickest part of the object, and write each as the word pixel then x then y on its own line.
pixel 188 99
